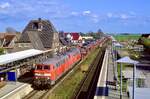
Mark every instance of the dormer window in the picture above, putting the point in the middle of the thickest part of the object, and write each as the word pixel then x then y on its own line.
pixel 35 25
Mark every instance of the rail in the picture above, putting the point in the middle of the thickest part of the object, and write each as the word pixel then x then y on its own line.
pixel 87 87
pixel 102 89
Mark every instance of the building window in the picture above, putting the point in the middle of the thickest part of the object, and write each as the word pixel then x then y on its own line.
pixel 35 25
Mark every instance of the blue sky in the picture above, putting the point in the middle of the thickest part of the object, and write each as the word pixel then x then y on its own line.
pixel 78 15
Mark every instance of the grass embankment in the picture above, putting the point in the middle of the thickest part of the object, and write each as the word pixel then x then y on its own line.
pixel 123 38
pixel 66 88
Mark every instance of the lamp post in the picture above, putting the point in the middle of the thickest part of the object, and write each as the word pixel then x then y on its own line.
pixel 134 80
pixel 114 59
pixel 128 61
pixel 116 44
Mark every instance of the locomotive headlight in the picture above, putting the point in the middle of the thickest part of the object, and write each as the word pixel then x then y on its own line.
pixel 37 74
pixel 47 74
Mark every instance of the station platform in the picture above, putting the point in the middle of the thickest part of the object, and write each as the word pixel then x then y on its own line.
pixel 15 90
pixel 111 70
pixel 113 89
pixel 106 88
pixel 102 89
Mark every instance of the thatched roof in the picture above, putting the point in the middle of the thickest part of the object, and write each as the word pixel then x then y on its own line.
pixel 40 33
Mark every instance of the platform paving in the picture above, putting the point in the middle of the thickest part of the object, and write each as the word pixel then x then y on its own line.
pixel 9 87
pixel 113 93
pixel 15 90
pixel 111 69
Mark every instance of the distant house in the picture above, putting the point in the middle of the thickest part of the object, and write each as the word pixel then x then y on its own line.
pixel 87 37
pixel 8 41
pixel 74 37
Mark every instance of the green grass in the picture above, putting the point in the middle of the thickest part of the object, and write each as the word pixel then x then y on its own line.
pixel 66 89
pixel 124 81
pixel 122 38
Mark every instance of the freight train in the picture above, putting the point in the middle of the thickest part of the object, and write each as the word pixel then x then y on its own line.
pixel 49 71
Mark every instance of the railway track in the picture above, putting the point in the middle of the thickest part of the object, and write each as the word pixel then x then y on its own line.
pixel 36 94
pixel 87 87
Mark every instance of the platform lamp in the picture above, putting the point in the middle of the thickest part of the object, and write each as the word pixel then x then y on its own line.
pixel 116 45
pixel 114 58
pixel 127 60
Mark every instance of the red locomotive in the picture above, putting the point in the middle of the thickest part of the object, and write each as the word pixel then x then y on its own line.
pixel 49 71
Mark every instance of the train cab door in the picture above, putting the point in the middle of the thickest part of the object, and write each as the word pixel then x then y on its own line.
pixel 53 72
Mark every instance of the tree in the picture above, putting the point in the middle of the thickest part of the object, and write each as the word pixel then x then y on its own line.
pixel 82 34
pixel 90 33
pixel 145 42
pixel 100 31
pixel 99 34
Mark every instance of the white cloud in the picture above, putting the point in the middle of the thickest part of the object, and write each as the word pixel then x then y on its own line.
pixel 34 8
pixel 132 13
pixel 91 16
pixel 74 13
pixel 87 12
pixel 4 5
pixel 95 16
pixel 95 20
pixel 124 16
pixel 109 15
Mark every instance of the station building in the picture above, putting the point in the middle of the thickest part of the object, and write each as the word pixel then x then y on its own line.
pixel 39 34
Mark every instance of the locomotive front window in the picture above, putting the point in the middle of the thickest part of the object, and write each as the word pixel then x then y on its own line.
pixel 39 67
pixel 46 67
